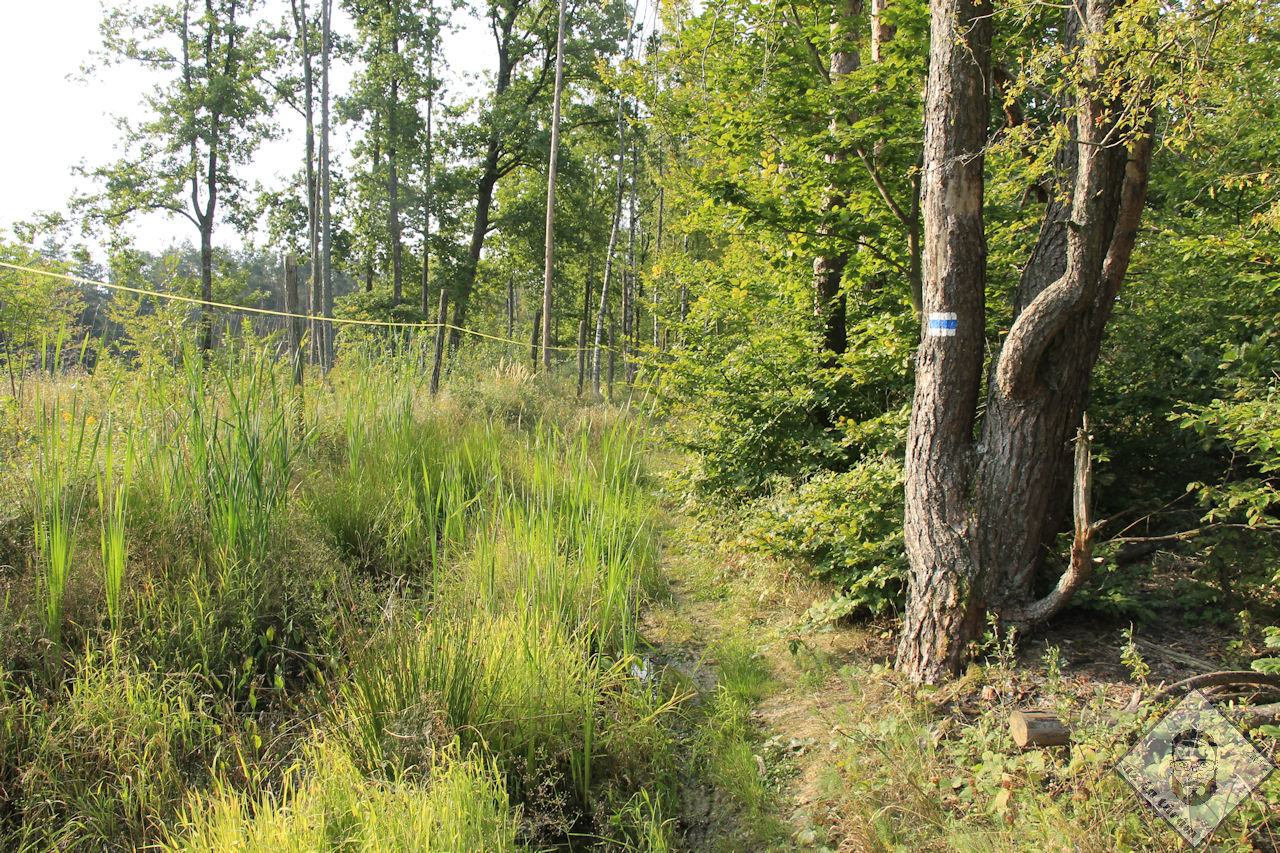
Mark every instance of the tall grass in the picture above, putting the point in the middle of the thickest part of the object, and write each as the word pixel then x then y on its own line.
pixel 463 808
pixel 444 589
pixel 112 488
pixel 68 444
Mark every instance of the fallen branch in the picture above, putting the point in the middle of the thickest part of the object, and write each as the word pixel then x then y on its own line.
pixel 1252 716
pixel 1173 655
pixel 1218 679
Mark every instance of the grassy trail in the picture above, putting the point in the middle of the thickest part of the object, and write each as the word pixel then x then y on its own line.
pixel 803 738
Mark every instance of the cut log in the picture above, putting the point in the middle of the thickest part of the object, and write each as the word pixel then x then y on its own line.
pixel 1038 728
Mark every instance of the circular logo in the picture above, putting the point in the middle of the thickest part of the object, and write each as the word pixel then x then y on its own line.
pixel 1193 767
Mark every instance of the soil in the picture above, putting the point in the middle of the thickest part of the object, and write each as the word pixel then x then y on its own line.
pixel 718 592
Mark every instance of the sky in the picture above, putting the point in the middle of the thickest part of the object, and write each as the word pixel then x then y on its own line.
pixel 54 122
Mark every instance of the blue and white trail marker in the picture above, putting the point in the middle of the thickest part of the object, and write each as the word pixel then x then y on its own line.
pixel 942 325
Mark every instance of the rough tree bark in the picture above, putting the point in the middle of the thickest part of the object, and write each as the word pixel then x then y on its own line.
pixel 944 609
pixel 980 513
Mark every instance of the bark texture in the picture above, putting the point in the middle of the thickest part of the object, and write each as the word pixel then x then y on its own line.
pixel 980 516
pixel 945 605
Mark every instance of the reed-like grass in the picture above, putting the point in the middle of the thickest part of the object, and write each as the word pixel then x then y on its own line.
pixel 113 488
pixel 411 572
pixel 68 444
pixel 329 804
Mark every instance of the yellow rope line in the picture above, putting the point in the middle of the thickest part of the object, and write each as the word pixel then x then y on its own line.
pixel 75 279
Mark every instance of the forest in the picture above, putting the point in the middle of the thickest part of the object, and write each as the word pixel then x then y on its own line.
pixel 720 426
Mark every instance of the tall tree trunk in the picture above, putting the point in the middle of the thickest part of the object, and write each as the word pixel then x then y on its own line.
pixel 326 209
pixel 658 255
pixel 393 186
pixel 430 154
pixel 630 311
pixel 313 226
pixel 608 257
pixel 945 605
pixel 206 284
pixel 584 324
pixel 1041 379
pixel 550 247
pixel 981 515
pixel 829 302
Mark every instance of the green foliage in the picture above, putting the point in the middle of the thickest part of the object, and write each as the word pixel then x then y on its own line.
pixel 848 526
pixel 37 313
pixel 328 803
pixel 112 755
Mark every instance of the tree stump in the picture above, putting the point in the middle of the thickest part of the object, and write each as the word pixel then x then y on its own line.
pixel 1037 728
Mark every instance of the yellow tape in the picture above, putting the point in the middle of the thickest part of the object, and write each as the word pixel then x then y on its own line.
pixel 75 279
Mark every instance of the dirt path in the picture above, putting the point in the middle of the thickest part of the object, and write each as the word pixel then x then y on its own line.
pixel 729 629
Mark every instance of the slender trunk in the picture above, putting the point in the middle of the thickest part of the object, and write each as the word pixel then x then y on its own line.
pixel 533 339
pixel 829 301
pixel 582 353
pixel 393 186
pixel 313 225
pixel 584 324
pixel 945 604
pixel 658 255
pixel 430 153
pixel 442 317
pixel 608 257
pixel 206 284
pixel 549 263
pixel 612 352
pixel 326 211
pixel 294 320
pixel 629 310
pixel 511 307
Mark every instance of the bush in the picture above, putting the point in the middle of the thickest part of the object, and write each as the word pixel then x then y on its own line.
pixel 847 525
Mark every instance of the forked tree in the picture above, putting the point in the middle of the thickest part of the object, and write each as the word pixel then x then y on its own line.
pixel 985 501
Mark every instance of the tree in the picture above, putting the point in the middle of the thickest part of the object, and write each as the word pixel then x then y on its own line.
pixel 206 120
pixel 983 506
pixel 506 132
pixel 551 191
pixel 392 38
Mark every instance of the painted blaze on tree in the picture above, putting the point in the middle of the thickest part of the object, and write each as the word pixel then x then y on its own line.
pixel 985 501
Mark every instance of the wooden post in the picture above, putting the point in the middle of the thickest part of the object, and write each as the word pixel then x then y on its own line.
pixel 582 353
pixel 533 343
pixel 439 354
pixel 1038 728
pixel 612 353
pixel 294 320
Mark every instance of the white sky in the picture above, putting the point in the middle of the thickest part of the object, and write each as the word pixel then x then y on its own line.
pixel 52 123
